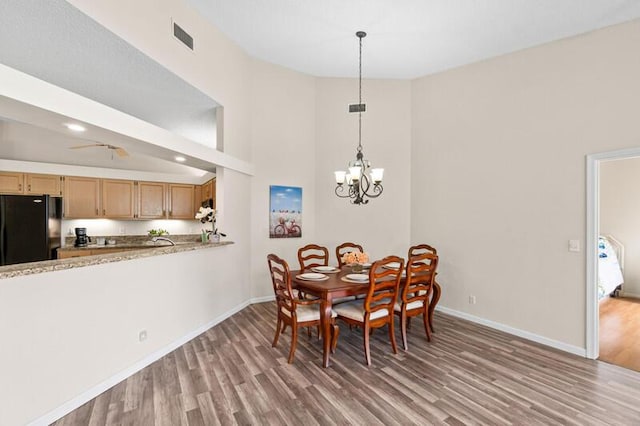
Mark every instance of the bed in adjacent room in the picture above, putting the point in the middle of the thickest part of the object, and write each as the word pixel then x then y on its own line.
pixel 610 266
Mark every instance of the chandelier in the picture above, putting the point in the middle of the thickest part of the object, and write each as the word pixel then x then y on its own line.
pixel 355 184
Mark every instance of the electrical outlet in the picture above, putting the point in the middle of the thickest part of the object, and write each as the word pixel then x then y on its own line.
pixel 142 336
pixel 472 300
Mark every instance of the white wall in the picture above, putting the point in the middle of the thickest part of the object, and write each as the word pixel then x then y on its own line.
pixel 499 149
pixel 619 213
pixel 382 226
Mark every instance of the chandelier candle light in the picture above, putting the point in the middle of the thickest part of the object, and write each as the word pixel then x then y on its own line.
pixel 359 186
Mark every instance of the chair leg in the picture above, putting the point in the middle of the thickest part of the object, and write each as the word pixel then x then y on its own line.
pixel 308 332
pixel 367 354
pixel 392 335
pixel 403 329
pixel 294 343
pixel 427 327
pixel 284 327
pixel 335 332
pixel 278 326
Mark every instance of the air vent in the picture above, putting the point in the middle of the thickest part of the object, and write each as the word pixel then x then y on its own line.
pixel 183 36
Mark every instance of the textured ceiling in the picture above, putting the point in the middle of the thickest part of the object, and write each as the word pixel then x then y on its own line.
pixel 406 38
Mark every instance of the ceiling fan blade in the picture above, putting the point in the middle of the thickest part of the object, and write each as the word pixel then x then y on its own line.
pixel 121 152
pixel 85 146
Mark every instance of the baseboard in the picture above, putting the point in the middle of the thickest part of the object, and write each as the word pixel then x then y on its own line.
pixel 515 331
pixel 262 299
pixel 627 294
pixel 87 396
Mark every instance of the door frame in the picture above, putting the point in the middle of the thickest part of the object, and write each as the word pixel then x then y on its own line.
pixel 591 248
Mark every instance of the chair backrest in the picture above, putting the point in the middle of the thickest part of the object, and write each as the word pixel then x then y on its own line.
pixel 420 249
pixel 281 279
pixel 346 247
pixel 313 255
pixel 421 271
pixel 384 281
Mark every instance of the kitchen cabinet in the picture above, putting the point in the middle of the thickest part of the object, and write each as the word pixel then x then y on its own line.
pixel 152 200
pixel 181 201
pixel 81 197
pixel 43 184
pixel 11 183
pixel 117 199
pixel 209 192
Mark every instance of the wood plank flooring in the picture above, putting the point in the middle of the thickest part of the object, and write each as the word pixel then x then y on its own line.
pixel 468 374
pixel 620 332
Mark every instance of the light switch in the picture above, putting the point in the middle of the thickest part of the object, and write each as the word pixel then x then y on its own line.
pixel 574 245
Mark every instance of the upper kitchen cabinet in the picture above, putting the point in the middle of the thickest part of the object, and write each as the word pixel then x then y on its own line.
pixel 209 193
pixel 43 184
pixel 181 201
pixel 11 183
pixel 152 200
pixel 81 197
pixel 118 199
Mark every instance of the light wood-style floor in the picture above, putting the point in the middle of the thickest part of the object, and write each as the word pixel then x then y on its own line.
pixel 468 374
pixel 620 332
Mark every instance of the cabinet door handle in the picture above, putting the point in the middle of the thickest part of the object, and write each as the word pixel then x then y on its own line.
pixel 19 187
pixel 97 212
pixel 104 212
pixel 29 188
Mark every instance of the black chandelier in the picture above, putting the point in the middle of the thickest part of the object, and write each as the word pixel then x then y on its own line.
pixel 355 184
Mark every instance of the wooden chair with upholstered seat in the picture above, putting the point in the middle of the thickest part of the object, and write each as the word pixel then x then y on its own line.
pixel 426 248
pixel 312 255
pixel 376 309
pixel 345 248
pixel 292 311
pixel 414 298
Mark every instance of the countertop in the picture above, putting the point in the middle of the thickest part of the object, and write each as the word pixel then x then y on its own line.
pixel 133 250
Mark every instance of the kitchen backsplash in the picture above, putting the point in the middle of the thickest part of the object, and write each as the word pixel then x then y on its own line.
pixel 118 228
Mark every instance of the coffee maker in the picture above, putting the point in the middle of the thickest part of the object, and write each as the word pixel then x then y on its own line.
pixel 81 237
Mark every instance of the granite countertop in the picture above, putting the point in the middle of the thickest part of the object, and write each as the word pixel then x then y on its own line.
pixel 134 250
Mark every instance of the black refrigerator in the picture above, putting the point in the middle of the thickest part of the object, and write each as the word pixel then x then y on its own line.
pixel 29 228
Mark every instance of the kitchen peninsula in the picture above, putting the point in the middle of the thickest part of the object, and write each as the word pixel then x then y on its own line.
pixel 126 251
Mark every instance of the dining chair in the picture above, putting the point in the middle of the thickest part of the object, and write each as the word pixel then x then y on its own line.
pixel 421 248
pixel 414 298
pixel 437 290
pixel 292 311
pixel 312 255
pixel 345 248
pixel 376 309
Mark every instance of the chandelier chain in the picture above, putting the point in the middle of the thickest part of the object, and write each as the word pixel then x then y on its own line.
pixel 360 98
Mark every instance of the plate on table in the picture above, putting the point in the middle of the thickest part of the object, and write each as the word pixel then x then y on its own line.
pixel 312 276
pixel 325 269
pixel 366 265
pixel 358 277
pixel 392 265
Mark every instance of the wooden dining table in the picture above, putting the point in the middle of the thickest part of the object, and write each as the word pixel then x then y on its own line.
pixel 335 286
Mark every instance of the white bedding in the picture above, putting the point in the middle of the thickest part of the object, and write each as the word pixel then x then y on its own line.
pixel 609 271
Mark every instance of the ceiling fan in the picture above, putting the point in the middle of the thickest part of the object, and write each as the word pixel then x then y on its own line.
pixel 120 151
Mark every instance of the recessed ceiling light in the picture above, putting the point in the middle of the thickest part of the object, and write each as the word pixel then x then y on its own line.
pixel 180 159
pixel 75 127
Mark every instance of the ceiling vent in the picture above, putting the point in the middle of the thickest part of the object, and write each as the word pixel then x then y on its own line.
pixel 183 36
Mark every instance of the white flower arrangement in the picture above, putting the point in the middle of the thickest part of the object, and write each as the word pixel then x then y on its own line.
pixel 207 214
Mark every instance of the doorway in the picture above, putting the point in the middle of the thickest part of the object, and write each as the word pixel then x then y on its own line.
pixel 618 308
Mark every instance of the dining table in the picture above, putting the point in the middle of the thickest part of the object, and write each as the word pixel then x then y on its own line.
pixel 336 284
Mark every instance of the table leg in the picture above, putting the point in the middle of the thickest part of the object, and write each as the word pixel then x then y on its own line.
pixel 434 301
pixel 325 323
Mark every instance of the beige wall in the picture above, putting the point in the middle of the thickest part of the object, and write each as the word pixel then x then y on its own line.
pixel 282 130
pixel 499 148
pixel 620 214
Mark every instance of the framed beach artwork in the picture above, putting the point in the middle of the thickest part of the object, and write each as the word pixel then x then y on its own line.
pixel 285 211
